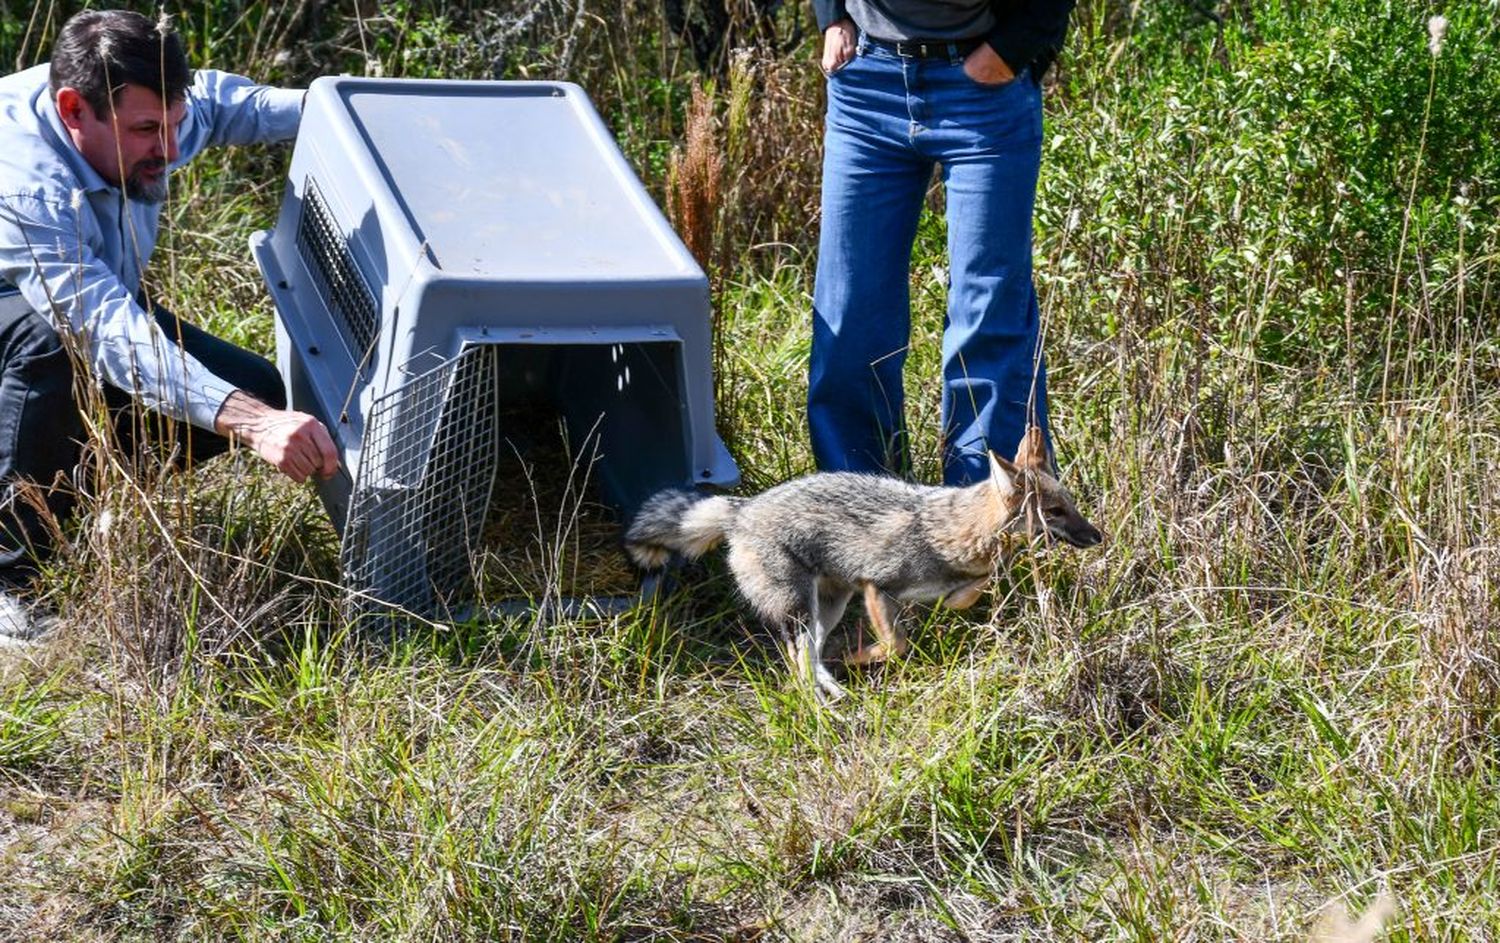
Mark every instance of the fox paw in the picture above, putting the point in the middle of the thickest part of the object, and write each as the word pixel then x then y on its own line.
pixel 873 654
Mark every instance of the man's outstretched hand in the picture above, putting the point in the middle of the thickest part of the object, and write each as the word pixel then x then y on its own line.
pixel 296 443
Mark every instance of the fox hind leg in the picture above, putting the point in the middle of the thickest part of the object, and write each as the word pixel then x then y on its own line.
pixel 825 608
pixel 786 594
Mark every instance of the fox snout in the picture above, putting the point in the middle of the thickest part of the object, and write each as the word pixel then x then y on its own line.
pixel 1083 534
pixel 1062 521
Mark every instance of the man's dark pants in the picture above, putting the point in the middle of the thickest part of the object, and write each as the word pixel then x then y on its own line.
pixel 41 430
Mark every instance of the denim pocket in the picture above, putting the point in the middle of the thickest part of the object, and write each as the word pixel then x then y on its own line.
pixel 841 66
pixel 993 86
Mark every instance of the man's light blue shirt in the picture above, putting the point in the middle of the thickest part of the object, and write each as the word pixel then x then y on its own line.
pixel 76 246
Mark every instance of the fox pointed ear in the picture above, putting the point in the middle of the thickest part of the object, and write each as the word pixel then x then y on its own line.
pixel 1003 475
pixel 1032 452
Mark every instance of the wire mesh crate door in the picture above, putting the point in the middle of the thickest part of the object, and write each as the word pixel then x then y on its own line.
pixel 424 487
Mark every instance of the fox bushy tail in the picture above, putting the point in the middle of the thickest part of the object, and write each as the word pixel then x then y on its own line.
pixel 682 522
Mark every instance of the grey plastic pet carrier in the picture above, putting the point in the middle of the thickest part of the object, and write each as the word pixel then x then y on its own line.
pixel 450 255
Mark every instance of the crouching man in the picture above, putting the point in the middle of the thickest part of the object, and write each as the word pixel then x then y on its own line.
pixel 87 145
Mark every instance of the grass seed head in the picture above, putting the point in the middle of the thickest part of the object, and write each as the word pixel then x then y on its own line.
pixel 1437 29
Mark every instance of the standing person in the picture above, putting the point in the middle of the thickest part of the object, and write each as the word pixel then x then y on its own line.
pixel 87 145
pixel 911 84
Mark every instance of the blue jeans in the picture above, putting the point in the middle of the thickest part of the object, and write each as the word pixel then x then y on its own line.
pixel 890 120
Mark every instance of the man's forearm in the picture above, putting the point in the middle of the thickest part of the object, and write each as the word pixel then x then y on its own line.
pixel 296 443
pixel 241 416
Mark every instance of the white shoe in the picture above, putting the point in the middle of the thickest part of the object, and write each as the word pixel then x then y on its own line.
pixel 20 624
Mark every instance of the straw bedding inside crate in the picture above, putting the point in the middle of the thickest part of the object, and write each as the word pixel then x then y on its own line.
pixel 546 531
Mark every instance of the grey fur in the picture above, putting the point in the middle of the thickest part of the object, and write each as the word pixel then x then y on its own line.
pixel 663 527
pixel 800 551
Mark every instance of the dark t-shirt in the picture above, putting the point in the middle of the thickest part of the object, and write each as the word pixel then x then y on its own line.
pixel 922 19
pixel 1023 32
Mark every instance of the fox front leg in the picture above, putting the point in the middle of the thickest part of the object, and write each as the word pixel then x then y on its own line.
pixel 967 594
pixel 890 639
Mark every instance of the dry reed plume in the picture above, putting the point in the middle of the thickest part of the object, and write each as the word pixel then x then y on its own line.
pixel 694 180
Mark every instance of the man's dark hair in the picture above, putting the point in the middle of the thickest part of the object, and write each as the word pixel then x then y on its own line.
pixel 99 52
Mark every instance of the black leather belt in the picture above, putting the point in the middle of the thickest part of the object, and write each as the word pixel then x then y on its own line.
pixel 927 48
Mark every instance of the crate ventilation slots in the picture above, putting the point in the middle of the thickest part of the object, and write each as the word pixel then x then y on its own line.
pixel 447 253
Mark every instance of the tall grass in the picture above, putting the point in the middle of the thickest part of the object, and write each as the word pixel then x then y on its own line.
pixel 1267 251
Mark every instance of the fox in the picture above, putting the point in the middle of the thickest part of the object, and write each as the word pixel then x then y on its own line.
pixel 800 551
